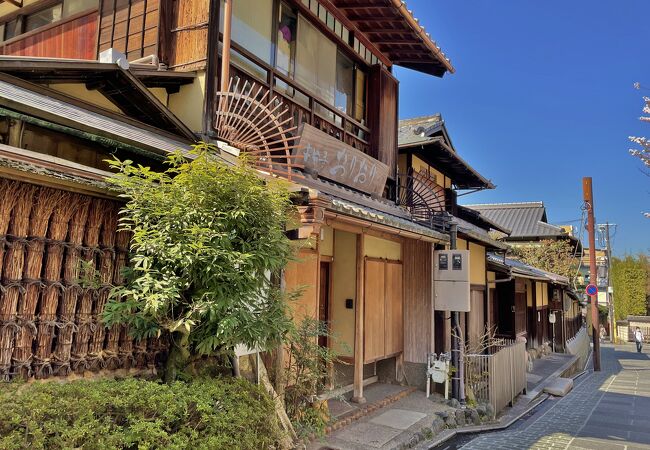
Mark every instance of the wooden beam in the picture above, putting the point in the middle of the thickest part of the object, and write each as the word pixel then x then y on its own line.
pixel 17 4
pixel 396 42
pixel 212 76
pixel 364 6
pixel 374 18
pixel 357 396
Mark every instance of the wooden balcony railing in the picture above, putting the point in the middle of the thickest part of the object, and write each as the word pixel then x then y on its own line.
pixel 303 105
pixel 73 37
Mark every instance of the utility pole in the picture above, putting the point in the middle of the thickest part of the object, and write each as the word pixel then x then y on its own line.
pixel 588 197
pixel 610 300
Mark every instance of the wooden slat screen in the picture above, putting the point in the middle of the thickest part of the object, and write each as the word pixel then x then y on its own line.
pixel 418 297
pixel 188 34
pixel 130 26
pixel 394 309
pixel 520 312
pixel 476 320
pixel 303 274
pixel 382 117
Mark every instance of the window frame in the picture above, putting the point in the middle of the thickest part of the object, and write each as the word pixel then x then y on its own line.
pixel 294 90
pixel 359 63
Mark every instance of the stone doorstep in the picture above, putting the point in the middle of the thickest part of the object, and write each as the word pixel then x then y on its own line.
pixel 364 411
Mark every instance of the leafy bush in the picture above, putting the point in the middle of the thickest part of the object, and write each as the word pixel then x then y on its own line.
pixel 208 239
pixel 137 414
pixel 308 373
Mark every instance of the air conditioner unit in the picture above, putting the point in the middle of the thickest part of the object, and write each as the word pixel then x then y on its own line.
pixel 451 280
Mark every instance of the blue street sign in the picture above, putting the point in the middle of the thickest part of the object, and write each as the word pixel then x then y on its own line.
pixel 591 289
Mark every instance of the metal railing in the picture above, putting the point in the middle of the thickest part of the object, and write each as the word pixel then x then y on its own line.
pixel 498 376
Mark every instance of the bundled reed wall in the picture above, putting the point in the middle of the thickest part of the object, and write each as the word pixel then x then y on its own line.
pixel 60 256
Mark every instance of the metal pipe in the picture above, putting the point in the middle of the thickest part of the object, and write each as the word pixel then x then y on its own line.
pixel 149 60
pixel 455 317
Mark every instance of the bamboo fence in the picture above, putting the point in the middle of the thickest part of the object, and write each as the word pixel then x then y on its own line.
pixel 60 256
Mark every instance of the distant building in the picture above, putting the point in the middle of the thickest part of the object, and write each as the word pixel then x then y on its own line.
pixel 527 221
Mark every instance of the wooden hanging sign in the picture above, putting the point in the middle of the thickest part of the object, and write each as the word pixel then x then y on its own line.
pixel 340 162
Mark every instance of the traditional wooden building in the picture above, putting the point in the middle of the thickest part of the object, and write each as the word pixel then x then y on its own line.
pixel 532 304
pixel 527 222
pixel 320 72
pixel 432 173
pixel 56 211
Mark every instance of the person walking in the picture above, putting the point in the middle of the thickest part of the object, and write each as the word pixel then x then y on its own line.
pixel 638 338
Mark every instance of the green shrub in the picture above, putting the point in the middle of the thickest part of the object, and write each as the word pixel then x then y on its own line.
pixel 137 414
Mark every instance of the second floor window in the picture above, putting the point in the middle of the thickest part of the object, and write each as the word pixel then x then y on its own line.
pixel 298 50
pixel 43 17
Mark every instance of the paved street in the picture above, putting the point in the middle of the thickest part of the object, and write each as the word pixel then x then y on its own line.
pixel 606 410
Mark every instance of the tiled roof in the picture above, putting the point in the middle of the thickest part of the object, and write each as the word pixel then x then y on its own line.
pixel 478 234
pixel 418 128
pixel 517 267
pixel 40 102
pixel 421 136
pixel 524 220
pixel 363 206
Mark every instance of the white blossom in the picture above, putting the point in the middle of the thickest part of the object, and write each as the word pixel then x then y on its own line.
pixel 643 150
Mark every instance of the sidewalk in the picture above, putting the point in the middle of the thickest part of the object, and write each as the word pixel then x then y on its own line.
pixel 606 410
pixel 410 420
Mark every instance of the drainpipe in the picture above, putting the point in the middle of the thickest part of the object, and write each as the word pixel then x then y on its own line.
pixel 457 387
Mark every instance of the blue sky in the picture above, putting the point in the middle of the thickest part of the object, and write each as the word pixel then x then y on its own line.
pixel 542 96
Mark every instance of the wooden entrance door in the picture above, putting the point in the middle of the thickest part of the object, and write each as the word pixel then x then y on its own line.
pixel 324 299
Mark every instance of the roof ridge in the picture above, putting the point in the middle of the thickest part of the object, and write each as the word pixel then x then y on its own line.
pixel 536 203
pixel 427 116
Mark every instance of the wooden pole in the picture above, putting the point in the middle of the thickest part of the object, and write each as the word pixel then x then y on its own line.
pixel 211 71
pixel 359 324
pixel 225 52
pixel 588 196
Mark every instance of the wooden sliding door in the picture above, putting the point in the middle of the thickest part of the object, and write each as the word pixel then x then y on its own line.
pixel 383 309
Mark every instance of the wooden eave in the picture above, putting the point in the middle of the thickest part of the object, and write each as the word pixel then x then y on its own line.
pixel 438 154
pixel 79 115
pixel 122 87
pixel 392 29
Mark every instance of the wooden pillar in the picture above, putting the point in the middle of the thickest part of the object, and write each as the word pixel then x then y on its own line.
pixel 211 70
pixel 225 53
pixel 359 324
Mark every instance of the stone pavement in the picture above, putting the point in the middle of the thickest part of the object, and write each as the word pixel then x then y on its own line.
pixel 544 367
pixel 606 410
pixel 386 428
pixel 407 420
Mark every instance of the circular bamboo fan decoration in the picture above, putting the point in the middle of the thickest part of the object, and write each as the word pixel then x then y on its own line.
pixel 431 192
pixel 259 126
pixel 423 199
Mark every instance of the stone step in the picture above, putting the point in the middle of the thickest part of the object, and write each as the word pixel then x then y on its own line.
pixel 559 387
